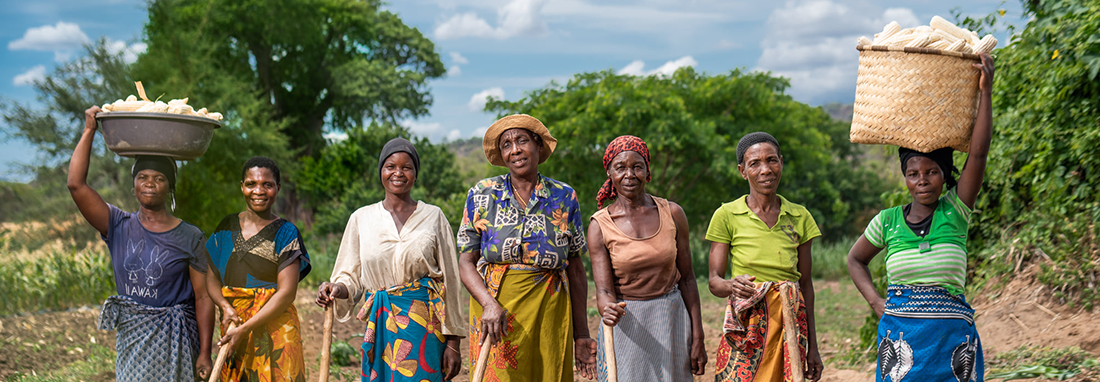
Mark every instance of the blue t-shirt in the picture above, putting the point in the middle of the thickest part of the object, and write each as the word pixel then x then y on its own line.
pixel 152 267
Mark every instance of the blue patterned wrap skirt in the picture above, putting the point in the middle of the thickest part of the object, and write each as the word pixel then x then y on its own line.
pixel 928 334
pixel 154 344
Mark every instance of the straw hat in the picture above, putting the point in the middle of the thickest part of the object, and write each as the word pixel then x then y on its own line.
pixel 491 142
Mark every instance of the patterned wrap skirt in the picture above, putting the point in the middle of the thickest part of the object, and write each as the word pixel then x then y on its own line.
pixel 539 345
pixel 753 347
pixel 928 334
pixel 404 337
pixel 652 341
pixel 154 344
pixel 273 352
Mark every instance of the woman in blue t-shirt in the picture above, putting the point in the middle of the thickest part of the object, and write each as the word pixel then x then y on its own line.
pixel 162 313
pixel 926 329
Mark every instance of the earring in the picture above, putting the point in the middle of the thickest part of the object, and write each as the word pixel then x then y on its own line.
pixel 173 205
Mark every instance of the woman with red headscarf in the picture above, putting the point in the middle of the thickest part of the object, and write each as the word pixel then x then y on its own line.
pixel 645 287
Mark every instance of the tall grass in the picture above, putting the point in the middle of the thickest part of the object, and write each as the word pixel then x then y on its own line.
pixel 56 281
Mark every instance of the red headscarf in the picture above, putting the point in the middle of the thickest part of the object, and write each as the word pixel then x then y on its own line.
pixel 619 145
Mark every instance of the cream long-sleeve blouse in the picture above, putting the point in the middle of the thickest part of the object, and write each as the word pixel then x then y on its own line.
pixel 374 256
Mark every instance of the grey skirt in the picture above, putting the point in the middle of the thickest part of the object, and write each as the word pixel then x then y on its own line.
pixel 652 341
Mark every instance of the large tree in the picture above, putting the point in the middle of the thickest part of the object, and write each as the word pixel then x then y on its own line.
pixel 317 64
pixel 692 122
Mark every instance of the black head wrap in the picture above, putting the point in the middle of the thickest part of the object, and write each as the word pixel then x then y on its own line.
pixel 942 157
pixel 751 139
pixel 399 145
pixel 161 164
pixel 263 162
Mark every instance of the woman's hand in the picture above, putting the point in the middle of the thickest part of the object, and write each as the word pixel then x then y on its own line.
pixel 229 315
pixel 203 366
pixel 584 350
pixel 234 337
pixel 742 286
pixel 452 359
pixel 328 292
pixel 879 306
pixel 89 118
pixel 494 323
pixel 985 82
pixel 813 364
pixel 698 356
pixel 612 312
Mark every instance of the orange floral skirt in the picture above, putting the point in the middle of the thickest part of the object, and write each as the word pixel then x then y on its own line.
pixel 273 353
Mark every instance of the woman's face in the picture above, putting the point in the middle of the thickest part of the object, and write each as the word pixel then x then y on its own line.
pixel 520 152
pixel 398 173
pixel 762 167
pixel 151 187
pixel 628 172
pixel 924 180
pixel 259 189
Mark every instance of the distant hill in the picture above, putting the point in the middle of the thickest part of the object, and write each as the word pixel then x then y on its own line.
pixel 840 112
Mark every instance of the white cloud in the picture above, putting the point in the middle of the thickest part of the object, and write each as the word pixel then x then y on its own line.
pixel 421 128
pixel 335 137
pixel 456 58
pixel 454 71
pixel 454 135
pixel 62 38
pixel 477 102
pixel 813 44
pixel 480 132
pixel 35 74
pixel 637 67
pixel 517 18
pixel 129 52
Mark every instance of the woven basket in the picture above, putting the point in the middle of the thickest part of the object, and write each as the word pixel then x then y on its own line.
pixel 918 98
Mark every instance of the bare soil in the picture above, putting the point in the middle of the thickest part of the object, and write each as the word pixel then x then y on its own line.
pixel 1022 313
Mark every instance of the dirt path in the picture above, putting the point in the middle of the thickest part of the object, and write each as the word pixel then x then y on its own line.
pixel 1017 315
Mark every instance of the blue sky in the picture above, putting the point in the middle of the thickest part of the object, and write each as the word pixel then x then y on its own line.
pixel 505 48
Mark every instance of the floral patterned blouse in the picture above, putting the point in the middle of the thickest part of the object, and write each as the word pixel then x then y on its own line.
pixel 545 235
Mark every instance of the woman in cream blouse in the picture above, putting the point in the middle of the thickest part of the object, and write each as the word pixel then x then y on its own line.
pixel 398 256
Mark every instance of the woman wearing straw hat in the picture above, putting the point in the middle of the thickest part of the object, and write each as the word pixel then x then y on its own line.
pixel 400 255
pixel 645 286
pixel 769 332
pixel 258 259
pixel 520 245
pixel 926 329
pixel 162 314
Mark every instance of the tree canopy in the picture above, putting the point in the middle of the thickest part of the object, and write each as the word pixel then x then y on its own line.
pixel 692 122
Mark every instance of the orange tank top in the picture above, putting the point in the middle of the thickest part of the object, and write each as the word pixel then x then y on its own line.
pixel 644 268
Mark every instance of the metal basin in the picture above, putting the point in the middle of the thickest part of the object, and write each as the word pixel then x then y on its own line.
pixel 183 137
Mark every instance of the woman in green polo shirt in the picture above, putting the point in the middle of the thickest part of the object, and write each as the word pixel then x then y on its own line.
pixel 926 329
pixel 766 241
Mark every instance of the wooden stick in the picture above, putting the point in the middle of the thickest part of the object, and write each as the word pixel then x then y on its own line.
pixel 609 351
pixel 326 343
pixel 482 357
pixel 790 333
pixel 223 353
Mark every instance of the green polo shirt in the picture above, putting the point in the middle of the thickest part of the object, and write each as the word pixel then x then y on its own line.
pixel 770 254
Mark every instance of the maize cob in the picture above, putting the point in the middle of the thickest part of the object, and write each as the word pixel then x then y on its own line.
pixel 889 30
pixel 950 38
pixel 129 105
pixel 131 98
pixel 899 40
pixel 154 107
pixel 946 26
pixel 214 116
pixel 957 46
pixel 919 42
pixel 863 40
pixel 923 29
pixel 941 45
pixel 986 45
pixel 974 38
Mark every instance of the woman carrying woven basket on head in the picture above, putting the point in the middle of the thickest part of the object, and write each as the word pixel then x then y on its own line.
pixel 645 286
pixel 767 241
pixel 258 259
pixel 399 256
pixel 162 314
pixel 520 246
pixel 926 331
